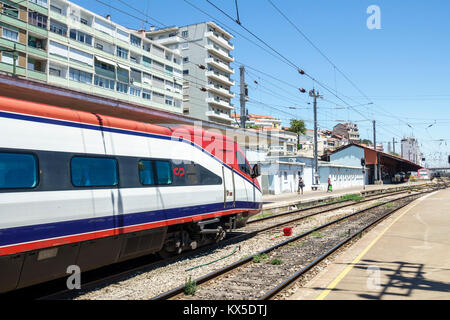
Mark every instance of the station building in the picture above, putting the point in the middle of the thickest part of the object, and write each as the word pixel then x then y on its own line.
pixel 280 174
pixel 387 165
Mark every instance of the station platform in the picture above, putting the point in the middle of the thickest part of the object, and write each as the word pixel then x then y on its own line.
pixel 285 200
pixel 406 256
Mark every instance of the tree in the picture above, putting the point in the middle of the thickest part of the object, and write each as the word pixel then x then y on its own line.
pixel 297 126
pixel 366 142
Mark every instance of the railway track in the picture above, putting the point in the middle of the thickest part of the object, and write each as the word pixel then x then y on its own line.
pixel 278 266
pixel 266 223
pixel 116 276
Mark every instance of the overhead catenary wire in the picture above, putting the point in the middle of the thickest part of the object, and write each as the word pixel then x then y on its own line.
pixel 142 13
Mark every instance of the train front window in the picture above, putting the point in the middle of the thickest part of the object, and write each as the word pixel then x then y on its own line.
pixel 242 163
pixel 18 171
pixel 94 172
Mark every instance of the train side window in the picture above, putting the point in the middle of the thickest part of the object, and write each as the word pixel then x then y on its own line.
pixel 163 172
pixel 18 171
pixel 207 177
pixel 94 172
pixel 185 173
pixel 146 172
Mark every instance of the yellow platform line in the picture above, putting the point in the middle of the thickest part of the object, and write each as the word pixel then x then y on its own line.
pixel 336 281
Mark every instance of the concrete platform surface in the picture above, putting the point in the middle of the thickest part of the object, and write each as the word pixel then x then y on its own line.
pixel 272 201
pixel 407 256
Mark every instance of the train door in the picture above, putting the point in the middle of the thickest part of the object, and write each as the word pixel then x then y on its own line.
pixel 229 188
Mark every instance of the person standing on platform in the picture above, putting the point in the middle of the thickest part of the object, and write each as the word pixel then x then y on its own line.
pixel 330 187
pixel 301 184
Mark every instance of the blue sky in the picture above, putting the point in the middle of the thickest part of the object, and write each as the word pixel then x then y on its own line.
pixel 403 68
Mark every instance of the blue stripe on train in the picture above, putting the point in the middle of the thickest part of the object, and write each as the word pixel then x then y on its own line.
pixel 23 234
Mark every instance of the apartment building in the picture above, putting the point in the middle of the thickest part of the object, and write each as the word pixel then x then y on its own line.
pixel 205 48
pixel 410 150
pixel 257 120
pixel 62 44
pixel 348 131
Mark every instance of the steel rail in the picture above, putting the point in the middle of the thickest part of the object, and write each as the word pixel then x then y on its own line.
pixel 180 289
pixel 122 274
pixel 280 287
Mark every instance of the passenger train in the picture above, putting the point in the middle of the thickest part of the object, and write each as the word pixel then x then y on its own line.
pixel 79 188
pixel 424 174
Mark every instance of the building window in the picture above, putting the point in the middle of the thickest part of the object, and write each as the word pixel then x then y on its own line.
pixel 122 53
pixel 121 87
pixel 169 70
pixel 185 59
pixel 147 62
pixel 135 41
pixel 104 83
pixel 10 11
pixel 80 36
pixel 99 46
pixel 37 19
pixel 104 66
pixel 185 71
pixel 147 95
pixel 7 57
pixel 58 28
pixel 147 78
pixel 169 101
pixel 93 172
pixel 135 91
pixel 54 72
pixel 184 34
pixel 18 170
pixel 80 76
pixel 84 21
pixel 42 3
pixel 55 9
pixel 10 35
pixel 185 46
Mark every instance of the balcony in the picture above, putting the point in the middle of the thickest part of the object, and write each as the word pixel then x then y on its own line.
pixel 219 116
pixel 220 103
pixel 221 91
pixel 220 40
pixel 219 65
pixel 169 40
pixel 214 49
pixel 221 78
pixel 37 75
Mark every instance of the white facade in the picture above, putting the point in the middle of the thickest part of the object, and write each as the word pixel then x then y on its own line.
pixel 205 48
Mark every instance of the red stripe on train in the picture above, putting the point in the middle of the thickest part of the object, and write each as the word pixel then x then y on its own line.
pixel 41 244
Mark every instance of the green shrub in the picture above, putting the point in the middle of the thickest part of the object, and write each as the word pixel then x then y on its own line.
pixel 190 287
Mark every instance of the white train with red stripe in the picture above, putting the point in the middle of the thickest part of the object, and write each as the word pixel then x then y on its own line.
pixel 90 190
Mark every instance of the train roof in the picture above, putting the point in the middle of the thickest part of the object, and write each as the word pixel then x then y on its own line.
pixel 60 113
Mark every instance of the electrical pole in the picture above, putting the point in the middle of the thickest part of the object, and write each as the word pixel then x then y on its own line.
pixel 243 97
pixel 315 95
pixel 375 148
pixel 393 144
